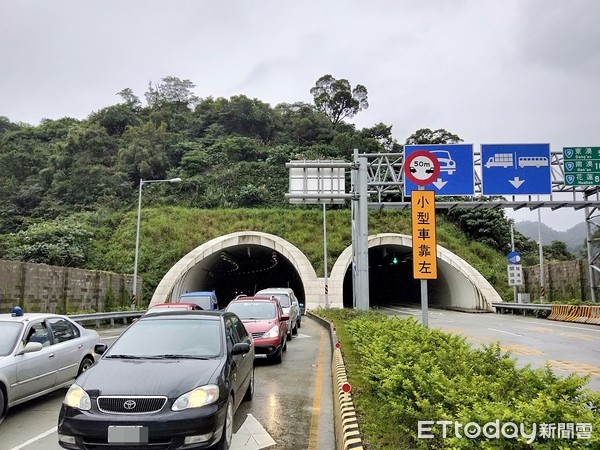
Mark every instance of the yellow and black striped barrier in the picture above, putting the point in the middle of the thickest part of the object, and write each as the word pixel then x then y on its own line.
pixel 576 313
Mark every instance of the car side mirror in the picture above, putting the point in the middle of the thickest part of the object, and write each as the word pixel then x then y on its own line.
pixel 100 348
pixel 32 347
pixel 285 318
pixel 301 305
pixel 240 348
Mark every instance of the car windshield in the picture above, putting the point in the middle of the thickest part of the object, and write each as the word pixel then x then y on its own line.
pixel 203 301
pixel 160 337
pixel 253 310
pixel 284 300
pixel 9 334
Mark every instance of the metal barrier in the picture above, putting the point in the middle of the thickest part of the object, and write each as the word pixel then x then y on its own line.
pixel 524 307
pixel 110 317
pixel 562 313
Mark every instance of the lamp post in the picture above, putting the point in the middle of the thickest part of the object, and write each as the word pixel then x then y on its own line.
pixel 137 233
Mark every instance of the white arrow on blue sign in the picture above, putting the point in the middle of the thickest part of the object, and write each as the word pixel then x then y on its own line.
pixel 514 258
pixel 516 169
pixel 456 169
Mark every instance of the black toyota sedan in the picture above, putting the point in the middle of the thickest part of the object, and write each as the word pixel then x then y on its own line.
pixel 171 380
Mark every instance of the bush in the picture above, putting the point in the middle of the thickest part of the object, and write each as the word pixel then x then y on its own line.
pixel 402 373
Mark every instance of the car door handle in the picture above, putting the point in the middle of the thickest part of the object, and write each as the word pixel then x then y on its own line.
pixel 51 355
pixel 80 345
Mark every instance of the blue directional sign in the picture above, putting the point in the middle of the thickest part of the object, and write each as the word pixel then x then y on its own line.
pixel 456 169
pixel 515 169
pixel 514 258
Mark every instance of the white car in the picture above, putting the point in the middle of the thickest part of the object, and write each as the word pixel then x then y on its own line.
pixel 40 353
pixel 289 304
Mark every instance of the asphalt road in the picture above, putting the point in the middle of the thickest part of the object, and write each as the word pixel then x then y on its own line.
pixel 567 347
pixel 291 409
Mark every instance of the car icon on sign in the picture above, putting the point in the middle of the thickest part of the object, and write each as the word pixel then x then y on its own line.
pixel 447 164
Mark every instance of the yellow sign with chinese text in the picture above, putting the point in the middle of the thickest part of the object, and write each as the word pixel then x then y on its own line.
pixel 423 235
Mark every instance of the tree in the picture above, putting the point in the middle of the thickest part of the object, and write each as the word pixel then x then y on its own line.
pixel 59 243
pixel 337 99
pixel 427 136
pixel 171 90
pixel 557 250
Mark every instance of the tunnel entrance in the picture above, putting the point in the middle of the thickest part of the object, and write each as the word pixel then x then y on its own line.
pixel 242 270
pixel 391 280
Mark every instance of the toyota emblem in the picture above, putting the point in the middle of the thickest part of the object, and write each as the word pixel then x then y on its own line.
pixel 129 404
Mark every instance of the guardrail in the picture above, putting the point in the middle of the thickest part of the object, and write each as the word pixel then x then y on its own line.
pixel 501 306
pixel 107 317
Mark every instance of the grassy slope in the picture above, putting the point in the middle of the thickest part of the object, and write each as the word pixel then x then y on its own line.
pixel 169 233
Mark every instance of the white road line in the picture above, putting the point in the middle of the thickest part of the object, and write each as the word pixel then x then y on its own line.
pixel 547 324
pixel 37 438
pixel 507 332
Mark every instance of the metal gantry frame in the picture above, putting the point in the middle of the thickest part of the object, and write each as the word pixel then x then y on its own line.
pixel 377 182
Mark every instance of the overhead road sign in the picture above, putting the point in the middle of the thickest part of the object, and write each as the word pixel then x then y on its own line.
pixel 456 169
pixel 423 235
pixel 581 166
pixel 515 169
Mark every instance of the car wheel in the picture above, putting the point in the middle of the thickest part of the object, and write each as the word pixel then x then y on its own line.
pixel 295 329
pixel 285 345
pixel 85 365
pixel 227 435
pixel 2 411
pixel 299 322
pixel 278 356
pixel 289 336
pixel 250 392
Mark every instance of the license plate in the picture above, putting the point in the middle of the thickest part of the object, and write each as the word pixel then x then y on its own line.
pixel 127 435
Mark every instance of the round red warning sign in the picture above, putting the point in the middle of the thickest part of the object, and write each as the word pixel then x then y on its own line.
pixel 421 167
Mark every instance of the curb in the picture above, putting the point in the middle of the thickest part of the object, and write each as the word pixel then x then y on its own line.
pixel 347 433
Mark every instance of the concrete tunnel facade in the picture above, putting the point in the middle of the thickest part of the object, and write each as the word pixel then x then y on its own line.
pixel 246 261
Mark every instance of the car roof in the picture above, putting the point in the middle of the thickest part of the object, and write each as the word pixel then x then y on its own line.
pixel 189 294
pixel 173 305
pixel 255 298
pixel 26 317
pixel 211 315
pixel 275 291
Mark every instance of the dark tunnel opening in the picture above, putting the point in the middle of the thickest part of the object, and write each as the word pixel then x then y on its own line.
pixel 244 270
pixel 391 280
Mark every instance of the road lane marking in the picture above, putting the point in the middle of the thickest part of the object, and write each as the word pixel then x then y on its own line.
pixel 313 439
pixel 34 439
pixel 573 366
pixel 520 349
pixel 251 436
pixel 507 332
pixel 563 326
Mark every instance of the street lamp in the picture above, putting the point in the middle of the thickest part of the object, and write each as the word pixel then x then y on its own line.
pixel 137 233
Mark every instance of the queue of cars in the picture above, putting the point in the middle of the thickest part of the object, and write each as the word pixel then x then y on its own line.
pixel 173 379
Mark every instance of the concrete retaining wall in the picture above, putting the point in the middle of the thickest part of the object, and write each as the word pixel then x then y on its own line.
pixel 565 280
pixel 44 288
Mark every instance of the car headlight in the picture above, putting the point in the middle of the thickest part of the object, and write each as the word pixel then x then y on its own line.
pixel 201 396
pixel 76 397
pixel 272 333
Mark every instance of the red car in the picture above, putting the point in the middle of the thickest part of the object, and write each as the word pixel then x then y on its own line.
pixel 162 307
pixel 265 321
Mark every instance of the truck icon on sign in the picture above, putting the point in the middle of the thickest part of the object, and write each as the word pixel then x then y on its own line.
pixel 500 160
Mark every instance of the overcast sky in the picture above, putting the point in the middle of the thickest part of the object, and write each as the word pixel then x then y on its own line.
pixel 504 71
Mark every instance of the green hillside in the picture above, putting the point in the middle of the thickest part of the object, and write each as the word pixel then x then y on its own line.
pixel 169 233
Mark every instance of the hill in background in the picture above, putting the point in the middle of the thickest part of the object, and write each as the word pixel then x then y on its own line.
pixel 574 237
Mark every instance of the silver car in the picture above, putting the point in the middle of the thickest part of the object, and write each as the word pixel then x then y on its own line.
pixel 40 353
pixel 290 306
